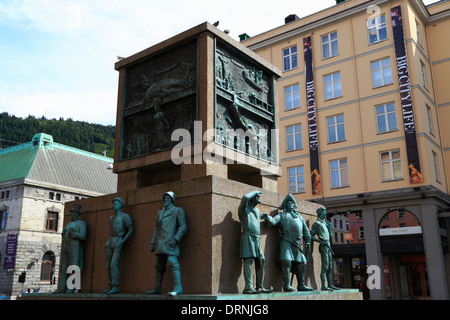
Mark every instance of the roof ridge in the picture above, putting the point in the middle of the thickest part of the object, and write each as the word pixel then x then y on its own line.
pixel 15 148
pixel 436 3
pixel 81 152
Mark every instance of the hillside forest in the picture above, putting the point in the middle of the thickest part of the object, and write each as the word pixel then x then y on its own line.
pixel 82 135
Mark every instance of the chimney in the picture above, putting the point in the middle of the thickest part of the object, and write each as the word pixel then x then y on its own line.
pixel 290 18
pixel 243 37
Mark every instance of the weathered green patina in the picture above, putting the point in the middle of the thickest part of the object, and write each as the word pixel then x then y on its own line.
pixel 250 247
pixel 322 229
pixel 170 228
pixel 121 229
pixel 293 229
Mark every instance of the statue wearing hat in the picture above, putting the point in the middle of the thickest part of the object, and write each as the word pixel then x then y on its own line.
pixel 321 233
pixel 121 229
pixel 293 229
pixel 250 249
pixel 169 229
pixel 73 236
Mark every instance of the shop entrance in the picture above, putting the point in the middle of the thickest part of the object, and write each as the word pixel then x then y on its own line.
pixel 401 242
pixel 417 276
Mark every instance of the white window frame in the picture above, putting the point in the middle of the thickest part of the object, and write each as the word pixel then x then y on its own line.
pixel 385 115
pixel 335 84
pixel 429 118
pixel 424 74
pixel 296 176
pixel 335 127
pixel 289 97
pixel 436 166
pixel 376 25
pixel 326 40
pixel 419 38
pixel 381 69
pixel 362 235
pixel 391 162
pixel 296 137
pixel 341 168
pixel 290 56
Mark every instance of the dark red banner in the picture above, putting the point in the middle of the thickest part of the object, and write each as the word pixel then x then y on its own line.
pixel 312 117
pixel 409 125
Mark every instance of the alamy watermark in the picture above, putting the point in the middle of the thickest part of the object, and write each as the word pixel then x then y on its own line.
pixel 376 12
pixel 74 280
pixel 374 278
pixel 227 146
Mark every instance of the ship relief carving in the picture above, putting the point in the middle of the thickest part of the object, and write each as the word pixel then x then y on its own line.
pixel 160 97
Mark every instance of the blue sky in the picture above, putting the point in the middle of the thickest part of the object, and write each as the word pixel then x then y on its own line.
pixel 57 56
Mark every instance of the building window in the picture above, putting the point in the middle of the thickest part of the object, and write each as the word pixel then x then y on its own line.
pixel 336 129
pixel 391 165
pixel 4 216
pixel 290 58
pixel 381 72
pixel 294 137
pixel 386 118
pixel 296 178
pixel 419 39
pixel 52 221
pixel 429 119
pixel 424 75
pixel 48 262
pixel 436 166
pixel 339 173
pixel 4 195
pixel 332 85
pixel 361 233
pixel 377 29
pixel 330 45
pixel 292 97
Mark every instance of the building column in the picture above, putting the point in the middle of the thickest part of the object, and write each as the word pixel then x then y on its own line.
pixel 373 251
pixel 348 276
pixel 433 251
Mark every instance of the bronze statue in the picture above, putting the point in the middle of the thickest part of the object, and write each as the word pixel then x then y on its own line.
pixel 121 229
pixel 293 228
pixel 170 228
pixel 73 236
pixel 322 228
pixel 250 249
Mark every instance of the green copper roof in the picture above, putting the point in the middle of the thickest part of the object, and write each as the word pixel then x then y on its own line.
pixel 16 162
pixel 43 160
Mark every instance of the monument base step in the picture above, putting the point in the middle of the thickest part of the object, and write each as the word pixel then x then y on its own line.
pixel 343 294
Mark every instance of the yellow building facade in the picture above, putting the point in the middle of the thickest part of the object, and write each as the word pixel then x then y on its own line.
pixel 376 119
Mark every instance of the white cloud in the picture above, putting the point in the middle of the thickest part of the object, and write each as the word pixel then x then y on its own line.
pixel 94 106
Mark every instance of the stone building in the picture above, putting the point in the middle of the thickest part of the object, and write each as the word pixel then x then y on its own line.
pixel 36 179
